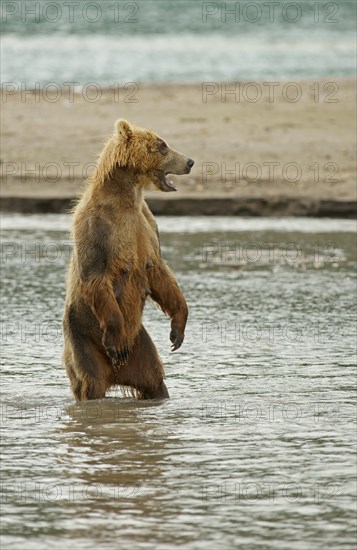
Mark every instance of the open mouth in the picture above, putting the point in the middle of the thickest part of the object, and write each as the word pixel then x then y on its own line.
pixel 166 184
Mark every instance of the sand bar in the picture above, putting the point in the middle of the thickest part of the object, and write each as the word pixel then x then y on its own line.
pixel 263 149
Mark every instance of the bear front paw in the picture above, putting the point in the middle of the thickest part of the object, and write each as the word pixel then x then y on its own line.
pixel 118 353
pixel 118 357
pixel 176 337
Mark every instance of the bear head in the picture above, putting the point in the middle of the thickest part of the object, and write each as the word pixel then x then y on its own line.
pixel 147 154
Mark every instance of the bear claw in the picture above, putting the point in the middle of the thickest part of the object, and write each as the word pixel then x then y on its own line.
pixel 177 344
pixel 123 356
pixel 175 339
pixel 119 357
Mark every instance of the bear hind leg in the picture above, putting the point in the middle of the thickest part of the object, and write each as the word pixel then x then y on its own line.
pixel 88 370
pixel 92 389
pixel 144 372
pixel 76 383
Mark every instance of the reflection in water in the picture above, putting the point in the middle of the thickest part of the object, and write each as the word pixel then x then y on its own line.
pixel 254 448
pixel 120 460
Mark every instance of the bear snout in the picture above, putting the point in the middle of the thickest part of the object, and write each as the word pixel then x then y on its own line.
pixel 190 163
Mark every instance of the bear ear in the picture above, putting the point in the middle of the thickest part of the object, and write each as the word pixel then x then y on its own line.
pixel 123 128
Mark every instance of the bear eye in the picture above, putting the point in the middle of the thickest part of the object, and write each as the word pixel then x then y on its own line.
pixel 162 146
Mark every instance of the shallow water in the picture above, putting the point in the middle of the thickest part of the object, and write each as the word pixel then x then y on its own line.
pixel 255 447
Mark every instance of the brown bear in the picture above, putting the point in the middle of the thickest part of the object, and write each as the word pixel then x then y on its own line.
pixel 116 265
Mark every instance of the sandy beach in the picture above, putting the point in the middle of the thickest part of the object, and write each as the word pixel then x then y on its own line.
pixel 285 149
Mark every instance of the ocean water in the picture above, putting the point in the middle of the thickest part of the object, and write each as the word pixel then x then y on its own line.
pixel 178 41
pixel 256 447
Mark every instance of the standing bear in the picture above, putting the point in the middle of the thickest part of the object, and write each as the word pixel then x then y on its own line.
pixel 116 265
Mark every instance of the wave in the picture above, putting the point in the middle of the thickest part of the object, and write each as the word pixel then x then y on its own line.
pixel 162 58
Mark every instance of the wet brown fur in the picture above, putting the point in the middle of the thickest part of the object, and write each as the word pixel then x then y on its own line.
pixel 116 264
